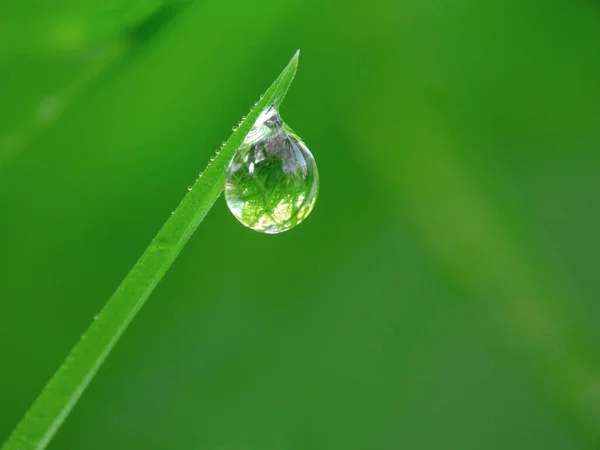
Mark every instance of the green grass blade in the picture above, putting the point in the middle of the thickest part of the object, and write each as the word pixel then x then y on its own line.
pixel 64 389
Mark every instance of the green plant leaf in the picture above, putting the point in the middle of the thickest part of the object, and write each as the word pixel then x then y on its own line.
pixel 64 389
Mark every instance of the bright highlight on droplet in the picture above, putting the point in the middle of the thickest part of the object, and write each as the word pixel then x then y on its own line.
pixel 272 181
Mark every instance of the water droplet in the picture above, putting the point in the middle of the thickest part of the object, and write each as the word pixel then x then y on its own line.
pixel 272 181
pixel 189 188
pixel 234 129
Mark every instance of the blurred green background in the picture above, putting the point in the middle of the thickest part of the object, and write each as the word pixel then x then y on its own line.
pixel 442 295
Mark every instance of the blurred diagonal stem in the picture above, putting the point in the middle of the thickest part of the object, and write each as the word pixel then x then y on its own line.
pixel 470 241
pixel 51 108
pixel 64 389
pixel 101 61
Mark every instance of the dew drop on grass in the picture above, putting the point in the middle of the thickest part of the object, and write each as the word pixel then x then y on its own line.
pixel 272 181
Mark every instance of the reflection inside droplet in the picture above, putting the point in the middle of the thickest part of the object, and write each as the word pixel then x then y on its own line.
pixel 272 181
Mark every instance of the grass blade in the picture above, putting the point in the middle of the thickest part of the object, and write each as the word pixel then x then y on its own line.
pixel 64 389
